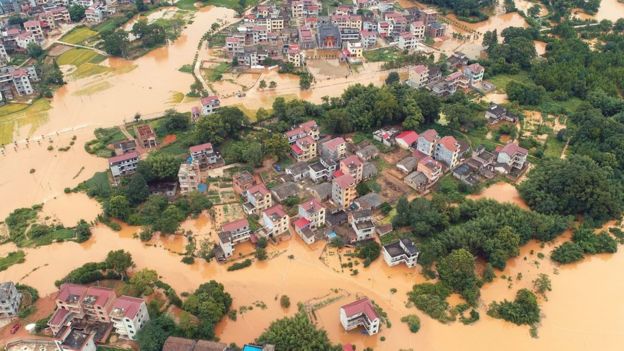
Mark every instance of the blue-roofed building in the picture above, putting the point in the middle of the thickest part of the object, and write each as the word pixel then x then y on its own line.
pixel 250 347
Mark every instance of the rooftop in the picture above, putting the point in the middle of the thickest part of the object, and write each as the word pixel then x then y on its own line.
pixel 312 205
pixel 235 225
pixel 200 148
pixel 430 135
pixel 345 181
pixel 126 306
pixel 334 143
pixel 145 131
pixel 275 213
pixel 408 136
pixel 362 306
pixel 449 143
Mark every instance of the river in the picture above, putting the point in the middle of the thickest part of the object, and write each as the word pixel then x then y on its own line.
pixel 577 315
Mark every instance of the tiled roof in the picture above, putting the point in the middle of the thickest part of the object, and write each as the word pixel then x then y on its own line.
pixel 312 205
pixel 345 181
pixel 512 149
pixel 128 306
pixel 235 225
pixel 334 143
pixel 301 223
pixel 124 157
pixel 209 100
pixel 362 306
pixel 199 148
pixel 408 136
pixel 430 135
pixel 449 143
pixel 276 210
pixel 258 188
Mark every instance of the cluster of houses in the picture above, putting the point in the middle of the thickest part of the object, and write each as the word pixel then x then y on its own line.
pixel 43 18
pixel 287 30
pixel 85 316
pixel 463 76
pixel 174 343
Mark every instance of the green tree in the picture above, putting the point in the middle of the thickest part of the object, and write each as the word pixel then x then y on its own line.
pixel 542 284
pixel 116 42
pixel 153 335
pixel 393 77
pixel 169 221
pixel 117 207
pixel 368 251
pixel 164 166
pixel 261 254
pixel 284 301
pixel 76 12
pixel 144 281
pixel 263 84
pixel 119 261
pixel 457 270
pixel 137 190
pixel 34 50
pixel 272 84
pixel 83 231
pixel 523 310
pixel 296 333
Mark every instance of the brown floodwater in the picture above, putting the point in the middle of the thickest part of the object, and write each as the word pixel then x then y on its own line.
pixel 501 192
pixel 573 317
pixel 609 9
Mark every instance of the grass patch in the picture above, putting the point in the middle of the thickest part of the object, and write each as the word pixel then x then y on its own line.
pixel 110 24
pixel 553 147
pixel 96 186
pixel 93 88
pixel 501 80
pixel 180 146
pixel 78 35
pixel 186 5
pixel 216 73
pixel 188 68
pixel 381 55
pixel 103 137
pixel 12 258
pixel 230 4
pixel 78 56
pixel 176 97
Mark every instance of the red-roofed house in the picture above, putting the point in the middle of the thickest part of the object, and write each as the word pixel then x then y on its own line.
pixel 447 151
pixel 128 315
pixel 431 168
pixel 210 104
pixel 353 166
pixel 34 28
pixel 145 136
pixel 233 233
pixel 204 155
pixel 334 149
pixel 509 157
pixel 275 220
pixel 309 128
pixel 304 149
pixel 427 141
pixel 360 313
pixel 343 190
pixel 123 165
pixel 258 199
pixel 78 301
pixel 406 139
pixel 407 41
pixel 311 216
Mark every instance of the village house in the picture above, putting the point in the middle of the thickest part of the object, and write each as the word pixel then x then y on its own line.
pixel 10 300
pixel 417 28
pixel 427 141
pixel 123 165
pixel 385 136
pixel 145 136
pixel 448 151
pixel 304 149
pixel 407 41
pixel 352 166
pixel 284 191
pixel 242 181
pixel 233 233
pixel 189 177
pixel 361 222
pixel 204 155
pixel 311 216
pixel 343 190
pixel 474 73
pixel 334 149
pixel 352 53
pixel 368 152
pixel 298 171
pixel 417 181
pixel 34 28
pixel 370 201
pixel 309 128
pixel 322 191
pixel 322 170
pixel 496 113
pixel 457 60
pixel 128 315
pixel 174 343
pixel 295 55
pixel 94 307
pixel 258 199
pixel 209 104
pixel 401 251
pixel 328 36
pixel 418 76
pixel 511 157
pixel 407 139
pixel 408 164
pixel 124 147
pixel 436 30
pixel 368 39
pixel 275 220
pixel 74 339
pixel 369 171
pixel 431 168
pixel 360 313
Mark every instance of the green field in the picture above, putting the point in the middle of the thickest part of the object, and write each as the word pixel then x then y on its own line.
pixel 381 55
pixel 78 35
pixel 14 116
pixel 85 60
pixel 501 80
pixel 12 258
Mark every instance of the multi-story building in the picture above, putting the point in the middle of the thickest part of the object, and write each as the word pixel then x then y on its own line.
pixel 510 157
pixel 21 82
pixel 258 199
pixel 123 165
pixel 309 128
pixel 235 44
pixel 447 151
pixel 353 166
pixel 427 141
pixel 360 313
pixel 401 251
pixel 343 190
pixel 189 177
pixel 295 55
pixel 328 36
pixel 417 28
pixel 418 76
pixel 204 155
pixel 368 39
pixel 275 220
pixel 74 339
pixel 406 139
pixel 304 149
pixel 80 301
pixel 128 315
pixel 322 170
pixel 431 168
pixel 362 224
pixel 145 136
pixel 4 56
pixel 10 300
pixel 242 181
pixel 311 216
pixel 34 28
pixel 474 73
pixel 210 104
pixel 407 41
pixel 334 149
pixel 233 233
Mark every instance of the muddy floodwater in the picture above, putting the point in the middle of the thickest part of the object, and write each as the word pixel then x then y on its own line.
pixel 577 315
pixel 501 192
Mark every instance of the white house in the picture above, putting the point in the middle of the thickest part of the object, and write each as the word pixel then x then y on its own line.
pixel 401 251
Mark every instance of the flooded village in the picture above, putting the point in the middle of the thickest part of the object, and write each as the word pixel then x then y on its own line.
pixel 286 229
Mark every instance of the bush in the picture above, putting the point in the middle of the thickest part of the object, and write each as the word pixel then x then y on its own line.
pixel 285 301
pixel 261 254
pixel 412 321
pixel 188 259
pixel 240 265
pixel 368 251
pixel 568 252
pixel 523 310
pixel 431 299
